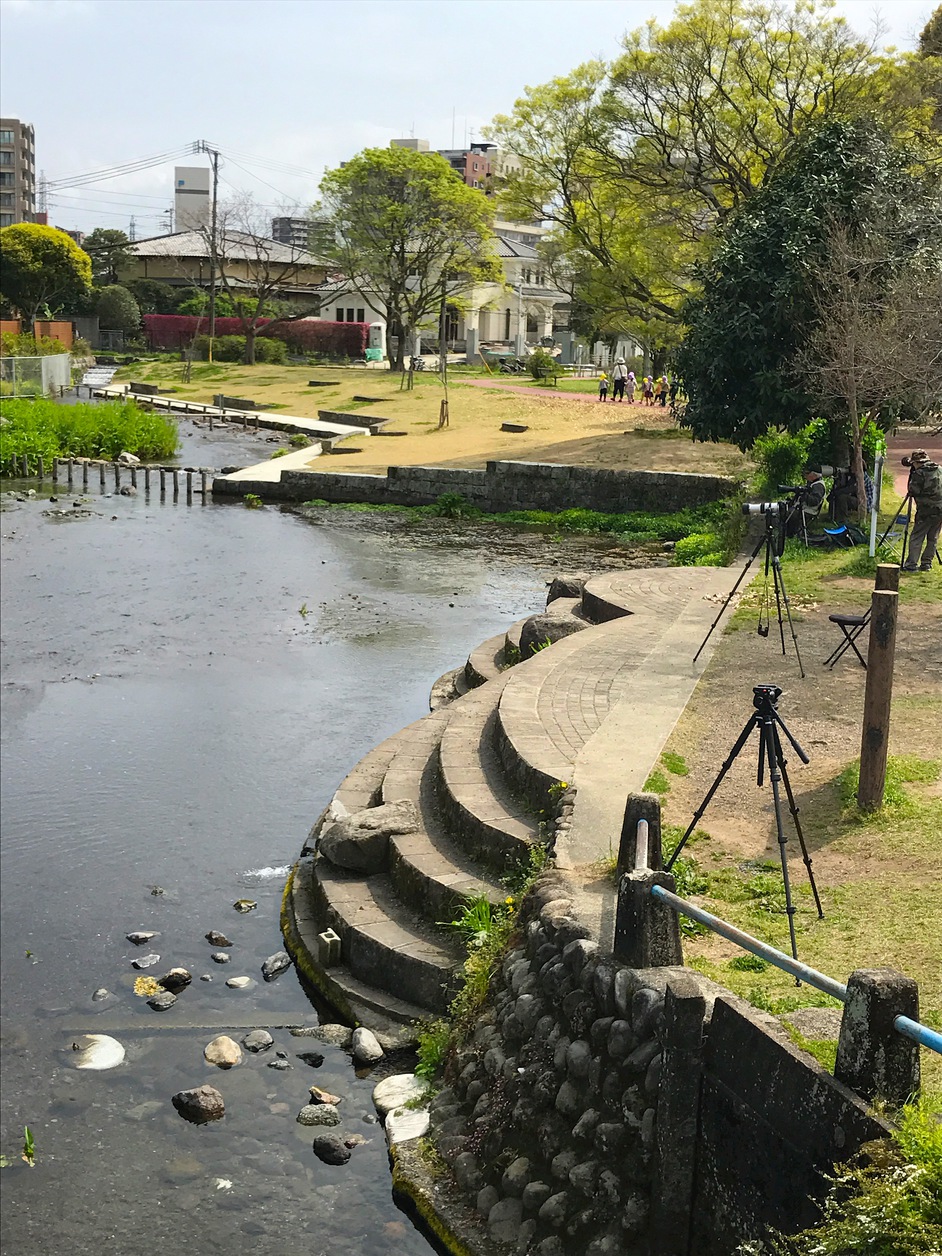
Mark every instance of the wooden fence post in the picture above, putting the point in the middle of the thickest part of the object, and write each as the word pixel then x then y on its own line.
pixel 878 695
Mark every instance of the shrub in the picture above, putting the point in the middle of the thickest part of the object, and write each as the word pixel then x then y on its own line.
pixel 700 549
pixel 309 335
pixel 781 457
pixel 45 429
pixel 117 309
pixel 540 362
pixel 26 346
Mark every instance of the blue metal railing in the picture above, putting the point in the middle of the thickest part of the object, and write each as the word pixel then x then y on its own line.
pixel 918 1032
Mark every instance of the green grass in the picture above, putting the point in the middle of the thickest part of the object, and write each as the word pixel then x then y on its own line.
pixel 47 430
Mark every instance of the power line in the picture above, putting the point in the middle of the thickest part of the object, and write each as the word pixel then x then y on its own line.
pixel 113 172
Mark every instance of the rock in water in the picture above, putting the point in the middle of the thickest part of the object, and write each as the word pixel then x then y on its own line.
pixel 397 1091
pixel 177 979
pixel 97 1051
pixel 245 904
pixel 281 1065
pixel 220 957
pixel 215 938
pixel 101 994
pixel 139 938
pixel 275 965
pixel 223 1052
pixel 203 1104
pixel 336 1035
pixel 146 961
pixel 240 983
pixel 314 1058
pixel 258 1040
pixel 366 1049
pixel 161 1002
pixel 324 1096
pixel 128 460
pixel 330 1148
pixel 360 842
pixel 318 1114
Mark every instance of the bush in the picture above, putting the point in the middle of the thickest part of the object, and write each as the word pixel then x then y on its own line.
pixel 269 350
pixel 540 362
pixel 700 549
pixel 117 309
pixel 309 335
pixel 45 429
pixel 26 346
pixel 782 457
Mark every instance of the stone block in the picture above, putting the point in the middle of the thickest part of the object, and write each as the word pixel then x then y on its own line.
pixel 872 1057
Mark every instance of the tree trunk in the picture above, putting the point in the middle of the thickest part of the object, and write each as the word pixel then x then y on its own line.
pixel 658 359
pixel 857 453
pixel 840 449
pixel 250 346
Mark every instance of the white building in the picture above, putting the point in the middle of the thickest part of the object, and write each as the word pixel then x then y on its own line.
pixel 191 198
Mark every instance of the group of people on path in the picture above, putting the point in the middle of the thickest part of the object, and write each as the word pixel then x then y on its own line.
pixel 625 384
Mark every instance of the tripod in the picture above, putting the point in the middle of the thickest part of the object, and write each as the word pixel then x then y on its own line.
pixel 767 720
pixel 907 509
pixel 773 562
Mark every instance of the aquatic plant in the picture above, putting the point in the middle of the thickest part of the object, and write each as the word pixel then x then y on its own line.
pixel 45 429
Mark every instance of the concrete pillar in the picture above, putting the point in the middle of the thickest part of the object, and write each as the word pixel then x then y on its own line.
pixel 647 933
pixel 678 1117
pixel 873 1059
pixel 640 807
pixel 546 322
pixel 471 336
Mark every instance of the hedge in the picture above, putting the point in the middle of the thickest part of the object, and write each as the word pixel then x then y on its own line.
pixel 309 335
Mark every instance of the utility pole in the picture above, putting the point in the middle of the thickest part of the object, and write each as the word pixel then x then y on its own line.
pixel 213 155
pixel 443 354
pixel 132 229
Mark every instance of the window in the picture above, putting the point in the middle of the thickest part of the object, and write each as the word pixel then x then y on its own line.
pixel 6 199
pixel 350 318
pixel 6 220
pixel 532 327
pixel 6 137
pixel 6 159
pixel 339 314
pixel 6 178
pixel 360 318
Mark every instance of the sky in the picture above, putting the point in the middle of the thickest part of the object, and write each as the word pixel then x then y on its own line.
pixel 299 85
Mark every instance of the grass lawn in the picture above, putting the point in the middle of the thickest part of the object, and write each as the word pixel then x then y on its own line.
pixel 880 876
pixel 560 429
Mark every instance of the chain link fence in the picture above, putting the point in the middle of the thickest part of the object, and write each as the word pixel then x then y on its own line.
pixel 35 377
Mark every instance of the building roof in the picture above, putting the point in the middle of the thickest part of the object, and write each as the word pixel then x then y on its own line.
pixel 514 248
pixel 235 245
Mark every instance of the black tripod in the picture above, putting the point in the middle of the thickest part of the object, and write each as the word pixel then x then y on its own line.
pixel 767 720
pixel 907 509
pixel 773 544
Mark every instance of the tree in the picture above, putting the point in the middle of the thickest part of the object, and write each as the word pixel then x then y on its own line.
pixel 744 357
pixel 636 165
pixel 108 249
pixel 930 41
pixel 118 310
pixel 408 231
pixel 42 270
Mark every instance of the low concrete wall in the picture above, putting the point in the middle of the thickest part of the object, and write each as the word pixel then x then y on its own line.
pixel 598 1108
pixel 505 486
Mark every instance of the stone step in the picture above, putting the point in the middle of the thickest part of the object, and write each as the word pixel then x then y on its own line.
pixel 484 663
pixel 362 786
pixel 512 636
pixel 382 943
pixel 451 685
pixel 430 869
pixel 482 812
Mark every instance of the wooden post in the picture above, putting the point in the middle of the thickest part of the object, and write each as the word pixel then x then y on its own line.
pixel 71 470
pixel 147 480
pixel 210 420
pixel 42 470
pixel 25 466
pixel 176 483
pixel 887 577
pixel 134 477
pixel 117 475
pixel 101 474
pixel 163 481
pixel 189 488
pixel 55 472
pixel 85 474
pixel 877 699
pixel 204 479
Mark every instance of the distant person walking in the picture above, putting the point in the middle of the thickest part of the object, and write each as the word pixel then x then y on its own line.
pixel 647 391
pixel 630 387
pixel 925 488
pixel 619 379
pixel 664 386
pixel 603 387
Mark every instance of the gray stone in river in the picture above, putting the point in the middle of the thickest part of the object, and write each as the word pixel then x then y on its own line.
pixel 223 1051
pixel 336 1035
pixel 360 842
pixel 258 1040
pixel 275 965
pixel 200 1105
pixel 139 937
pixel 314 1058
pixel 331 1149
pixel 245 904
pixel 97 1051
pixel 318 1114
pixel 205 977
pixel 215 938
pixel 146 961
pixel 100 994
pixel 366 1048
pixel 240 983
pixel 281 1065
pixel 176 979
pixel 161 1002
pixel 397 1091
pixel 220 957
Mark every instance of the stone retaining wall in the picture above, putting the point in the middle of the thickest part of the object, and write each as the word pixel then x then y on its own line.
pixel 599 1109
pixel 502 486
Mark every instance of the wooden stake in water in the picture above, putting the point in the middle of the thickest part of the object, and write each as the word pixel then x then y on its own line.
pixel 176 484
pixel 189 488
pixel 25 465
pixel 117 475
pixel 210 420
pixel 134 477
pixel 101 475
pixel 42 470
pixel 204 479
pixel 163 482
pixel 71 470
pixel 146 480
pixel 55 471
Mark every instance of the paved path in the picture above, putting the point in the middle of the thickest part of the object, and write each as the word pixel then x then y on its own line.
pixel 898 447
pixel 557 393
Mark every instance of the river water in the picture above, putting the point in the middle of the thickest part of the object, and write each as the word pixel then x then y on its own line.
pixel 172 720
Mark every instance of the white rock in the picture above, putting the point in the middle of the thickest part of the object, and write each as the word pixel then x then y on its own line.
pixel 397 1091
pixel 404 1124
pixel 223 1051
pixel 145 961
pixel 366 1048
pixel 97 1051
pixel 240 983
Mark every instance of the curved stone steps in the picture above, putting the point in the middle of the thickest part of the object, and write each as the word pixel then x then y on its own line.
pixel 484 663
pixel 660 591
pixel 382 941
pixel 512 635
pixel 490 822
pixel 362 786
pixel 431 871
pixel 447 688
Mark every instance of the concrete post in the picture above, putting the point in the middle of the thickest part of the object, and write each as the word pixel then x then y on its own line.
pixel 640 807
pixel 873 1059
pixel 647 933
pixel 471 354
pixel 678 1117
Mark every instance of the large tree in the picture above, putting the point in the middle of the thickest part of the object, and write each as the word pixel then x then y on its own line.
pixel 768 288
pixel 635 165
pixel 407 231
pixel 118 310
pixel 108 249
pixel 42 270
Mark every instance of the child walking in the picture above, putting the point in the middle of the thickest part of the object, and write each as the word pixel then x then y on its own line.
pixel 603 387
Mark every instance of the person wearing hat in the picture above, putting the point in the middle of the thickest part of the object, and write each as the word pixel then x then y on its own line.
pixel 812 501
pixel 925 488
pixel 619 378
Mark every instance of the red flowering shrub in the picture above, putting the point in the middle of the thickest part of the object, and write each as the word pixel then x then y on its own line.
pixel 309 335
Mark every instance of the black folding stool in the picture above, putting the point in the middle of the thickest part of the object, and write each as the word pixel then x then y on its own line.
pixel 851 626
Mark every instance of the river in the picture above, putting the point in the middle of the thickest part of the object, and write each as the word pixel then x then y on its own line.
pixel 183 688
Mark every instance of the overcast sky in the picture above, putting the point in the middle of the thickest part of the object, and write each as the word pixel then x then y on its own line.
pixel 302 83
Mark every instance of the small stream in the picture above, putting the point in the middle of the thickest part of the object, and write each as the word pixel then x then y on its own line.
pixel 172 721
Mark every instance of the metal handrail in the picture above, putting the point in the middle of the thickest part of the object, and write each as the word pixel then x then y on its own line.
pixel 918 1032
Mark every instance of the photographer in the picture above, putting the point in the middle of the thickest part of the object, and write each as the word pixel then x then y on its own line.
pixel 810 503
pixel 925 488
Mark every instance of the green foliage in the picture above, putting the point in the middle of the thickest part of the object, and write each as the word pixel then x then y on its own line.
pixel 781 458
pixel 749 963
pixel 887 1202
pixel 901 770
pixel 108 249
pixel 279 453
pixel 541 363
pixel 433 1038
pixel 475 920
pixel 29 1146
pixel 45 429
pixel 42 270
pixel 233 349
pixel 675 763
pixel 657 783
pixel 26 346
pixel 453 506
pixel 299 441
pixel 117 310
pixel 252 501
pixel 700 549
pixel 155 297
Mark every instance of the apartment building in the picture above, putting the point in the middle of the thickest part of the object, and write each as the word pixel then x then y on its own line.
pixel 17 172
pixel 312 234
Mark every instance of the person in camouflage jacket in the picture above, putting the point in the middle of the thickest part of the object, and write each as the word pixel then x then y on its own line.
pixel 925 488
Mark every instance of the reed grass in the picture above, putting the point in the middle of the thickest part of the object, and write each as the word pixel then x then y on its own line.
pixel 45 429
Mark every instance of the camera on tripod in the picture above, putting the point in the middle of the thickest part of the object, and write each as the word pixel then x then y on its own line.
pixel 765 693
pixel 774 509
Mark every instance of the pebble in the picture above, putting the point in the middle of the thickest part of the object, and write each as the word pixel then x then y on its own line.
pixel 318 1114
pixel 258 1040
pixel 220 957
pixel 205 977
pixel 139 938
pixel 223 1051
pixel 240 983
pixel 330 1148
pixel 161 1002
pixel 146 961
pixel 324 1096
pixel 177 979
pixel 314 1058
pixel 280 1065
pixel 243 905
pixel 397 1091
pixel 215 938
pixel 366 1048
pixel 100 994
pixel 275 965
pixel 97 1051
